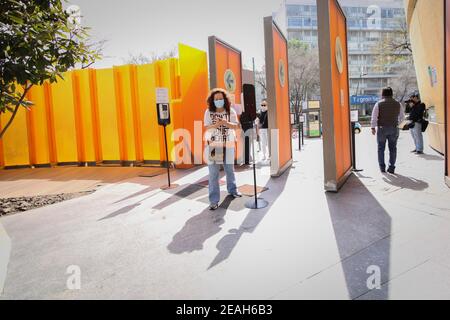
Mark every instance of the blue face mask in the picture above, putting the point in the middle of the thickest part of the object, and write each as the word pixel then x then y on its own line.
pixel 219 103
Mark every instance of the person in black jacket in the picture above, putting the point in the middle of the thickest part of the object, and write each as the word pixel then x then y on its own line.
pixel 416 117
pixel 263 128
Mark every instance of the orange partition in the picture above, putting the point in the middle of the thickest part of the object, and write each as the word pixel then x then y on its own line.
pixel 278 98
pixel 108 120
pixel 125 108
pixel 166 73
pixel 147 106
pixel 15 140
pixel 38 133
pixel 447 91
pixel 84 116
pixel 340 92
pixel 225 63
pixel 109 115
pixel 194 90
pixel 335 103
pixel 64 120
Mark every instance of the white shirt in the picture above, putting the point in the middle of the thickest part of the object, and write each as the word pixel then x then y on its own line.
pixel 376 113
pixel 238 108
pixel 221 134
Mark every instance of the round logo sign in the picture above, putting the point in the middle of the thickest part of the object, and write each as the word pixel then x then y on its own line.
pixel 230 81
pixel 339 56
pixel 282 72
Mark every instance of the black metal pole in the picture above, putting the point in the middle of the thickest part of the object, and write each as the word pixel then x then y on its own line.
pixel 254 166
pixel 353 146
pixel 258 203
pixel 167 156
pixel 299 136
pixel 303 135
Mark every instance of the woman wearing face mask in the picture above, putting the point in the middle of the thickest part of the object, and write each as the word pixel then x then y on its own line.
pixel 220 122
pixel 263 126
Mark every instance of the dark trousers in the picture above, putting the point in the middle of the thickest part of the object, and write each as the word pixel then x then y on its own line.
pixel 247 150
pixel 391 135
pixel 247 140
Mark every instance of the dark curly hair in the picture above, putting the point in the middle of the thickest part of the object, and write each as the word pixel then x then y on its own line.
pixel 210 101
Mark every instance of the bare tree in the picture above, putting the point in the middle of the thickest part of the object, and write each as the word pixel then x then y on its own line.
pixel 153 57
pixel 304 73
pixel 405 82
pixel 260 78
pixel 394 56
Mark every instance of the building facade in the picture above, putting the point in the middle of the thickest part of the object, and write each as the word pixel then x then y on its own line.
pixel 368 21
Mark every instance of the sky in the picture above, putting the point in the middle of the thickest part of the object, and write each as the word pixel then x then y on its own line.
pixel 157 26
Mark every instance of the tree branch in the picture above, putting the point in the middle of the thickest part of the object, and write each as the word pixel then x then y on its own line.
pixel 16 109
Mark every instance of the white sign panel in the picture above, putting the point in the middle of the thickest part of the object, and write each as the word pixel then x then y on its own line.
pixel 162 95
pixel 354 116
pixel 302 119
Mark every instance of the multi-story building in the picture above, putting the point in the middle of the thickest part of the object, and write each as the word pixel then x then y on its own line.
pixel 367 20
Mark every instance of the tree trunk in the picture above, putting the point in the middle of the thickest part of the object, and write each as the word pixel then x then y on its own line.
pixel 16 109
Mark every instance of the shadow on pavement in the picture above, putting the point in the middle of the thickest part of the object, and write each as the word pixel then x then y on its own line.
pixel 431 157
pixel 400 181
pixel 205 225
pixel 123 210
pixel 196 231
pixel 227 244
pixel 178 174
pixel 190 191
pixel 362 229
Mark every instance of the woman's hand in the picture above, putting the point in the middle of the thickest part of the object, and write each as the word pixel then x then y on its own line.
pixel 221 123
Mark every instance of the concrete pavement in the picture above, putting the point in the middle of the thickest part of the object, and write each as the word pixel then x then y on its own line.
pixel 131 240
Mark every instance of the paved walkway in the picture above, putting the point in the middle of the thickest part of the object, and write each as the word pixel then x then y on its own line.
pixel 131 240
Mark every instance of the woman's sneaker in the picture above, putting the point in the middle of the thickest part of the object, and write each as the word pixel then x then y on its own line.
pixel 213 207
pixel 236 195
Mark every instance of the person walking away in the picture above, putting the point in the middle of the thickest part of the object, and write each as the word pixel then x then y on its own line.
pixel 416 117
pixel 220 123
pixel 263 124
pixel 386 116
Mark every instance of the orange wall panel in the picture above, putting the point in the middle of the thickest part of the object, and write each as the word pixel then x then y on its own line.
pixel 149 119
pixel 194 91
pixel 85 125
pixel 15 140
pixel 38 127
pixel 123 93
pixel 107 113
pixel 64 120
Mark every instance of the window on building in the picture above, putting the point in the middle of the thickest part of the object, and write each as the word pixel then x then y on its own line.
pixel 293 10
pixel 294 22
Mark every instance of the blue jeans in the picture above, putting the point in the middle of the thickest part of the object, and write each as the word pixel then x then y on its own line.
pixel 389 134
pixel 214 176
pixel 417 135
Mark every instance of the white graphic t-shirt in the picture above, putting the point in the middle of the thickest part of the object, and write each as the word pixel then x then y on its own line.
pixel 221 134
